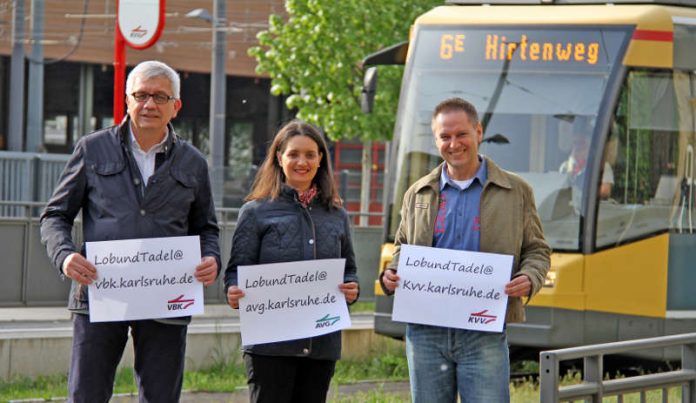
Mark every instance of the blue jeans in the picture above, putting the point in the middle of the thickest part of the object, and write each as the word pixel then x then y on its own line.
pixel 443 360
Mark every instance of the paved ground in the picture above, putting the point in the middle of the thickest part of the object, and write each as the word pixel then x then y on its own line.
pixel 399 389
pixel 344 391
pixel 32 322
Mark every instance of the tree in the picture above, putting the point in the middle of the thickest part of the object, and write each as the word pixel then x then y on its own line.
pixel 313 56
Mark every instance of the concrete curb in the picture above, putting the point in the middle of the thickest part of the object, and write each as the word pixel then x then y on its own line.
pixel 38 341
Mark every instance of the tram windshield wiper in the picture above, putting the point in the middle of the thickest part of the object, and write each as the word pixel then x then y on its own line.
pixel 502 80
pixel 496 139
pixel 566 117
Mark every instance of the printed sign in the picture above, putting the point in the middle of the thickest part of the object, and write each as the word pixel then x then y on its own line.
pixel 452 288
pixel 140 22
pixel 293 300
pixel 145 279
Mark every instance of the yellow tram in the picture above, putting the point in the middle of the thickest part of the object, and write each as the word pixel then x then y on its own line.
pixel 617 80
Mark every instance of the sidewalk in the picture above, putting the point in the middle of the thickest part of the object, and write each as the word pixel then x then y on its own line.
pixel 61 313
pixel 35 326
pixel 21 322
pixel 398 390
pixel 36 341
pixel 54 322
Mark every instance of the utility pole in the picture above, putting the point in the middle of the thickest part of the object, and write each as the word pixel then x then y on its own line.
pixel 16 119
pixel 218 86
pixel 365 183
pixel 36 80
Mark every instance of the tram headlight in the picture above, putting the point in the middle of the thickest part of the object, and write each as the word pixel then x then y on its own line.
pixel 550 280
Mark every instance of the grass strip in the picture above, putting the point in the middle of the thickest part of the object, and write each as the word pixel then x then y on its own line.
pixel 386 362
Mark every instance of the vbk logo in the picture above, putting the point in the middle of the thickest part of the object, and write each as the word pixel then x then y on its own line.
pixel 179 303
pixel 138 32
pixel 482 317
pixel 327 321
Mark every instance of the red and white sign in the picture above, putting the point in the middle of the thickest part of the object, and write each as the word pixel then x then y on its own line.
pixel 291 300
pixel 141 22
pixel 145 279
pixel 452 288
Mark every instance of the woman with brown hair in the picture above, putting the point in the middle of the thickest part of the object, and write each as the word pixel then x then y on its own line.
pixel 293 213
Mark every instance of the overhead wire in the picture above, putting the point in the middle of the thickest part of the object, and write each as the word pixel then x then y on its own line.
pixel 85 5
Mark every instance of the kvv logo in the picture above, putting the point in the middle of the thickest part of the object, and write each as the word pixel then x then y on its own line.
pixel 327 321
pixel 138 32
pixel 482 318
pixel 179 303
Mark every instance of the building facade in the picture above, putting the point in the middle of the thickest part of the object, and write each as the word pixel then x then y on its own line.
pixel 77 41
pixel 76 38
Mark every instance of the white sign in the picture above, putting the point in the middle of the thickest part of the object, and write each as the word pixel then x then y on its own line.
pixel 452 288
pixel 293 300
pixel 145 279
pixel 139 22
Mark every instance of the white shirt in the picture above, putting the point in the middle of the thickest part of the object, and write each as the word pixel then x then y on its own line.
pixel 145 160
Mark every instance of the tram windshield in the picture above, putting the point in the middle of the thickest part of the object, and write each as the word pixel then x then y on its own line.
pixel 538 92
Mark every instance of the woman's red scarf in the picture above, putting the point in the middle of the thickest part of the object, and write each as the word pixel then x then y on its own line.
pixel 307 196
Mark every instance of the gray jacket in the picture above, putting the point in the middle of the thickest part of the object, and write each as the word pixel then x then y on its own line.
pixel 281 230
pixel 103 180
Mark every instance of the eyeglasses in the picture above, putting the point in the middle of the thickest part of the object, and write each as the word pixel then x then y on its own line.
pixel 159 98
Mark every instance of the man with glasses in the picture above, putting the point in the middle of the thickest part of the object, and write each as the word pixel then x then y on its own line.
pixel 134 180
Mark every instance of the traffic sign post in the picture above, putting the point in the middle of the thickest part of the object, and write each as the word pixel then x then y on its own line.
pixel 139 24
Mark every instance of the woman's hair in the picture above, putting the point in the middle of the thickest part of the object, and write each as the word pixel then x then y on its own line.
pixel 270 177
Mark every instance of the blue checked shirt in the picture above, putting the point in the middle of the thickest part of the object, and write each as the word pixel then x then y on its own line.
pixel 458 222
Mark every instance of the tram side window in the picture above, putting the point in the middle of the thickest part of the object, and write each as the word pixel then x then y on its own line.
pixel 646 150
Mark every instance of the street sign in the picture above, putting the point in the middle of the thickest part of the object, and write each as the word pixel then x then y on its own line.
pixel 141 22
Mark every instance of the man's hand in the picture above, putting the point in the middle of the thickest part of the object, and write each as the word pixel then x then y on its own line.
pixel 76 267
pixel 350 290
pixel 390 280
pixel 519 286
pixel 206 272
pixel 233 296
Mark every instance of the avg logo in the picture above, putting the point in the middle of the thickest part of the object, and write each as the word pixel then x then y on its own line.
pixel 327 321
pixel 482 317
pixel 179 303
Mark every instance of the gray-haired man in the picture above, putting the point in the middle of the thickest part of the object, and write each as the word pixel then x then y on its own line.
pixel 134 180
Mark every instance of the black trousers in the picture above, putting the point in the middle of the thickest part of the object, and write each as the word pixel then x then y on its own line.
pixel 288 379
pixel 98 347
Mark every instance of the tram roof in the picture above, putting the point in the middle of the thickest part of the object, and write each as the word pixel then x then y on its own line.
pixel 683 3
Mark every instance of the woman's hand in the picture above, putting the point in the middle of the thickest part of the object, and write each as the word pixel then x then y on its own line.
pixel 234 294
pixel 350 290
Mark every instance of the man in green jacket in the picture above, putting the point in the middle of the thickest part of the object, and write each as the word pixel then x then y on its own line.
pixel 468 203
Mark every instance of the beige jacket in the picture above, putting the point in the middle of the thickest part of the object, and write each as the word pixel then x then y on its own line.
pixel 509 225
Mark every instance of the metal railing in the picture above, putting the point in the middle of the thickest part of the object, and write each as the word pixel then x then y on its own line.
pixel 27 177
pixel 594 388
pixel 21 209
pixel 225 215
pixel 29 278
